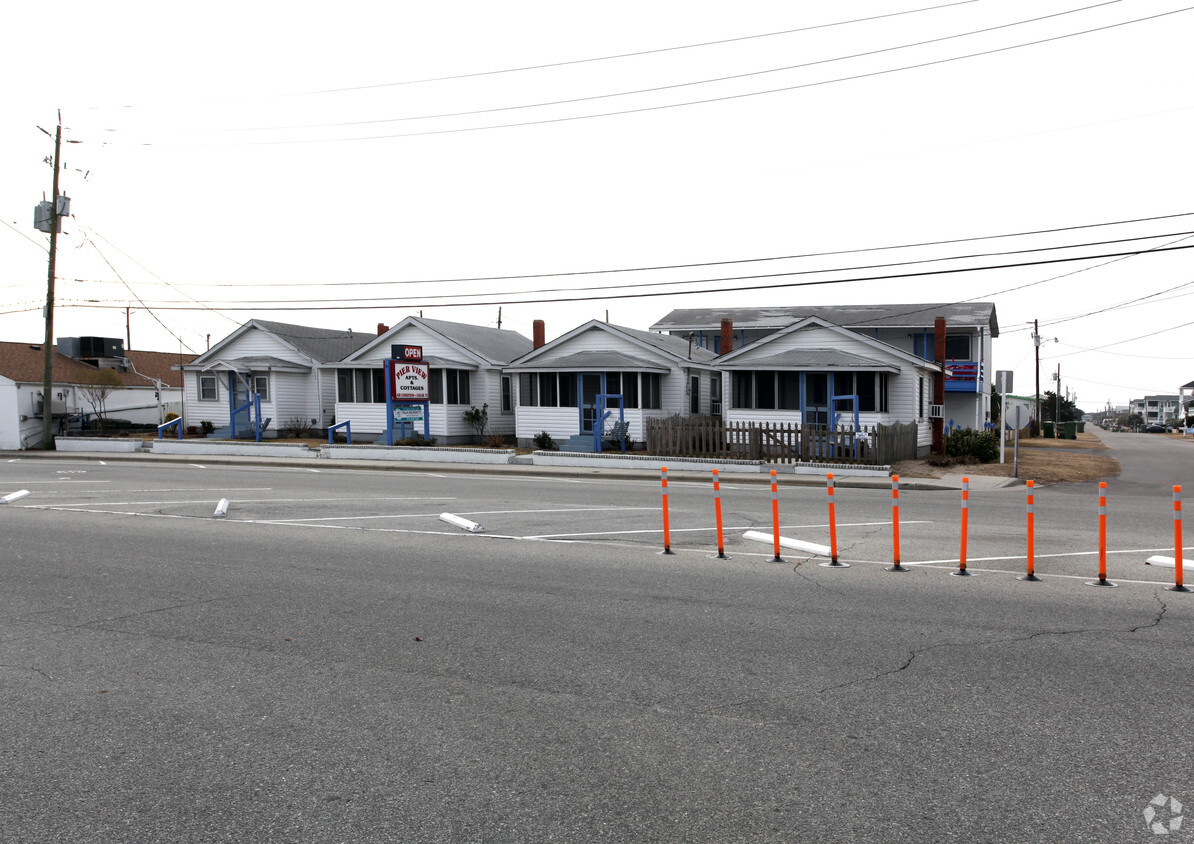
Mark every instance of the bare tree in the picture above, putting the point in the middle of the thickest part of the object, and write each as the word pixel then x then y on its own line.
pixel 96 389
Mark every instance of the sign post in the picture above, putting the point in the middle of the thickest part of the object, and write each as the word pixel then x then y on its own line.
pixel 408 391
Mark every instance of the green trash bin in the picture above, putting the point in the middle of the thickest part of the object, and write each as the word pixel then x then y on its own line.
pixel 1048 430
pixel 1081 427
pixel 1071 430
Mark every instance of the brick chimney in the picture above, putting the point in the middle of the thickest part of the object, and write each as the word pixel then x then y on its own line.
pixel 727 336
pixel 382 328
pixel 538 333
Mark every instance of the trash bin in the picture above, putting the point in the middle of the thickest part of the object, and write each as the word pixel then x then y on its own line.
pixel 1081 427
pixel 1071 430
pixel 1048 430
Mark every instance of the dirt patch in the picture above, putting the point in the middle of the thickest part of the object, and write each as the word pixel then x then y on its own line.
pixel 1044 461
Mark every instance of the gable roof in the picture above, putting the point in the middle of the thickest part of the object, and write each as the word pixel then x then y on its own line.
pixel 489 346
pixel 323 345
pixel 25 364
pixel 675 349
pixel 957 314
pixel 749 356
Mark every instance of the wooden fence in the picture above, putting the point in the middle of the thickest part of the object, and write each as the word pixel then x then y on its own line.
pixel 780 442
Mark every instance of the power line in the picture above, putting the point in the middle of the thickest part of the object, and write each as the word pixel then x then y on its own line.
pixel 634 54
pixel 644 109
pixel 689 84
pixel 694 265
pixel 138 298
pixel 276 306
pixel 675 283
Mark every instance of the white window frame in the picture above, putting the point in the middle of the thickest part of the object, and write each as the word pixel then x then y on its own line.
pixel 215 388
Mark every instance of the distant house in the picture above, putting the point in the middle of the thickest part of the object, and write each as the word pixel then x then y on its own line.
pixel 563 387
pixel 1158 409
pixel 150 388
pixel 281 364
pixel 817 373
pixel 970 328
pixel 466 363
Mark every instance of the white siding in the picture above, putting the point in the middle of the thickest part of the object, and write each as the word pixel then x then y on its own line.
pixel 10 417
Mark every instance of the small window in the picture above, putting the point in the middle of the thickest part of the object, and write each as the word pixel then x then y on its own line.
pixel 567 389
pixel 363 380
pixel 528 389
pixel 765 390
pixel 435 384
pixel 694 398
pixel 379 385
pixel 651 397
pixel 207 388
pixel 547 389
pixel 457 386
pixel 864 386
pixel 507 395
pixel 630 389
pixel 957 347
pixel 741 384
pixel 789 391
pixel 344 385
pixel 261 386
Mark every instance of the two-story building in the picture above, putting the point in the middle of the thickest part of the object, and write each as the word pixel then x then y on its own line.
pixel 970 329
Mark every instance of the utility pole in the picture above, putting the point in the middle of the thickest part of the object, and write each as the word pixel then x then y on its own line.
pixel 1036 340
pixel 47 404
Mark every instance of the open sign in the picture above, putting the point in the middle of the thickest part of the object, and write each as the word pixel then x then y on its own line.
pixel 409 381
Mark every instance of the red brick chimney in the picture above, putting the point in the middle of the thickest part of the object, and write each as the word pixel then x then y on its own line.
pixel 727 336
pixel 382 328
pixel 538 333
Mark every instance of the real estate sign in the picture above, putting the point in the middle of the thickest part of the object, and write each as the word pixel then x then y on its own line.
pixel 409 381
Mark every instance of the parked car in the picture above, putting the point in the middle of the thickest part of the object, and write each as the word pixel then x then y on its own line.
pixel 1156 429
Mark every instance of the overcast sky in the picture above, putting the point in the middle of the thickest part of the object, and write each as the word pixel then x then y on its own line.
pixel 345 165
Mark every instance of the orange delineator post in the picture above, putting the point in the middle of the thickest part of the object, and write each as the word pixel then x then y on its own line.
pixel 833 560
pixel 1102 581
pixel 895 525
pixel 1177 586
pixel 1031 527
pixel 961 572
pixel 721 545
pixel 775 516
pixel 667 539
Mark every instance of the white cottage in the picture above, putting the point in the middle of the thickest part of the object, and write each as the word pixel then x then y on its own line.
pixel 466 363
pixel 281 365
pixel 819 373
pixel 564 387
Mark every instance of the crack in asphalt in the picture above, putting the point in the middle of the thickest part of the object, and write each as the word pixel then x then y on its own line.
pixel 914 654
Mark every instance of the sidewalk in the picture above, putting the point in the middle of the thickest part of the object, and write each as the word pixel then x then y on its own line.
pixel 786 478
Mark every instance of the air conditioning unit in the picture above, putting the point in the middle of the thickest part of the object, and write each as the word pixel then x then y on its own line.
pixel 936 411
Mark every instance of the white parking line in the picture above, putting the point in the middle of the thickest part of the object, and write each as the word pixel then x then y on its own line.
pixel 710 529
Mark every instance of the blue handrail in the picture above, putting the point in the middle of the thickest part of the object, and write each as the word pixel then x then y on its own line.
pixel 346 425
pixel 177 422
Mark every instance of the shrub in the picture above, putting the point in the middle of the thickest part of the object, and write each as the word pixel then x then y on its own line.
pixel 478 420
pixel 296 427
pixel 495 440
pixel 971 445
pixel 170 417
pixel 544 442
pixel 207 426
pixel 415 440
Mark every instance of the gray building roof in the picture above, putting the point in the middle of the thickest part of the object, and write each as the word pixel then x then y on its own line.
pixel 593 359
pixel 326 345
pixel 497 345
pixel 967 314
pixel 816 359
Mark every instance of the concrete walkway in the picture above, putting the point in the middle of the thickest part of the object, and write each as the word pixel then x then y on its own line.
pixel 787 478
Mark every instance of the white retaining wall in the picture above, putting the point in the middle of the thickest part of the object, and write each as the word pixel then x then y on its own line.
pixel 97 444
pixel 411 452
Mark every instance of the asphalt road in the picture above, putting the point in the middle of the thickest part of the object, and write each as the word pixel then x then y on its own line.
pixel 331 662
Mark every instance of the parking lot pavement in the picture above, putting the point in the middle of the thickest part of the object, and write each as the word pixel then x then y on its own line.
pixel 330 661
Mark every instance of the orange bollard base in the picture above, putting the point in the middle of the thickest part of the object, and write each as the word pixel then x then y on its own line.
pixel 1101 582
pixel 961 573
pixel 1182 588
pixel 835 563
pixel 1029 577
pixel 898 567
